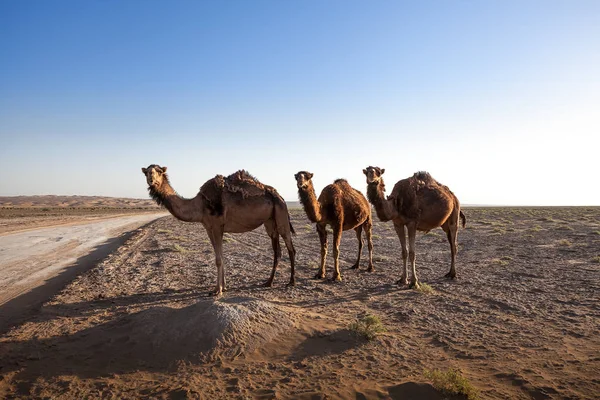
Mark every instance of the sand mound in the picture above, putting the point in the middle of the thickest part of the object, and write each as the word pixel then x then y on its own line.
pixel 226 327
pixel 159 337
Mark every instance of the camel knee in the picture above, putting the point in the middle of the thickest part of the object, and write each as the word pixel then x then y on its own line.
pixel 411 255
pixel 404 254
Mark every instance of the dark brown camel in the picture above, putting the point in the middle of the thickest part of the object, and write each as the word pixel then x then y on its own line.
pixel 343 208
pixel 237 203
pixel 419 203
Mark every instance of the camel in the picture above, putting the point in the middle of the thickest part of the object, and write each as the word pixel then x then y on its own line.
pixel 343 208
pixel 419 203
pixel 237 203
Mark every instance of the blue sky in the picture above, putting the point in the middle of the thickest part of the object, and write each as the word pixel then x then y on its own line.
pixel 499 100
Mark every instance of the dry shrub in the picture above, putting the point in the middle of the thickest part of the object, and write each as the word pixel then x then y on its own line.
pixel 425 288
pixel 367 327
pixel 451 382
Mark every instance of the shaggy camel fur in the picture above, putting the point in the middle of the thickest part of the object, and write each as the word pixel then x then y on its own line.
pixel 237 203
pixel 419 203
pixel 342 207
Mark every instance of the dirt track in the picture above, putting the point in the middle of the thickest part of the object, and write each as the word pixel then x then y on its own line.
pixel 522 320
pixel 31 257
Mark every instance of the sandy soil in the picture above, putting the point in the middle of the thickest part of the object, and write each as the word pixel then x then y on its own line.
pixel 521 321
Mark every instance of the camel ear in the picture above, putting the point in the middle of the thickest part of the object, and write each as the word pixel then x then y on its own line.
pixel 164 169
pixel 144 170
pixel 309 175
pixel 364 171
pixel 382 171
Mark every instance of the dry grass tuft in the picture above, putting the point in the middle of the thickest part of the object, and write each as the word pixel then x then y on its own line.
pixel 368 327
pixel 425 288
pixel 451 382
pixel 565 243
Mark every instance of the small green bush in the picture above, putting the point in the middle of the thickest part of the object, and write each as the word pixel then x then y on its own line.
pixel 451 382
pixel 424 288
pixel 367 327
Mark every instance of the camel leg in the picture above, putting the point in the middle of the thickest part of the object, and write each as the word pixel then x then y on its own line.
pixel 402 236
pixel 412 233
pixel 216 239
pixel 270 228
pixel 358 230
pixel 337 238
pixel 452 233
pixel 283 224
pixel 287 238
pixel 323 238
pixel 368 233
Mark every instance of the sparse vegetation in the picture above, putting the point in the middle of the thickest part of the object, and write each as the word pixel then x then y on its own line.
pixel 451 382
pixel 164 231
pixel 180 238
pixel 424 288
pixel 180 249
pixel 565 243
pixel 498 261
pixel 368 327
pixel 565 228
pixel 596 260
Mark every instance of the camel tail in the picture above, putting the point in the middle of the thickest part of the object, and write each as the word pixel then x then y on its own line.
pixel 291 226
pixel 463 218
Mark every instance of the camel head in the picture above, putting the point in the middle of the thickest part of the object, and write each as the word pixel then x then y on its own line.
pixel 373 174
pixel 303 179
pixel 155 175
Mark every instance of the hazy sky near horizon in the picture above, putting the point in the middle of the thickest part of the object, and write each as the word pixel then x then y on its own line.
pixel 498 99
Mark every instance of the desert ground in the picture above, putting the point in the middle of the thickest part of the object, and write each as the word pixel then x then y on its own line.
pixel 521 321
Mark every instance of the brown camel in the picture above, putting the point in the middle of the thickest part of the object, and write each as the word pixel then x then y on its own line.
pixel 237 203
pixel 419 203
pixel 342 207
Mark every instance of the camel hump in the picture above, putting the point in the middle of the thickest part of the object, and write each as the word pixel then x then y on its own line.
pixel 425 177
pixel 341 182
pixel 245 184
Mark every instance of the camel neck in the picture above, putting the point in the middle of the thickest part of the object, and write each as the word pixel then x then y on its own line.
pixel 375 194
pixel 309 202
pixel 183 209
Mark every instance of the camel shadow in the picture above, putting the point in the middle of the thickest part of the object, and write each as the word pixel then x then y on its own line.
pixel 153 339
pixel 327 343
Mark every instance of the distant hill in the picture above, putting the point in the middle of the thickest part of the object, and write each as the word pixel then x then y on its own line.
pixel 75 202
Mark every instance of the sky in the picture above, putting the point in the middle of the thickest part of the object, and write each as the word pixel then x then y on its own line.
pixel 497 99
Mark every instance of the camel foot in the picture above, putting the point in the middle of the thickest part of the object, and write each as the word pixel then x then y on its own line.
pixel 371 268
pixel 291 283
pixel 268 283
pixel 450 275
pixel 215 293
pixel 319 276
pixel 355 266
pixel 336 278
pixel 414 285
pixel 402 281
